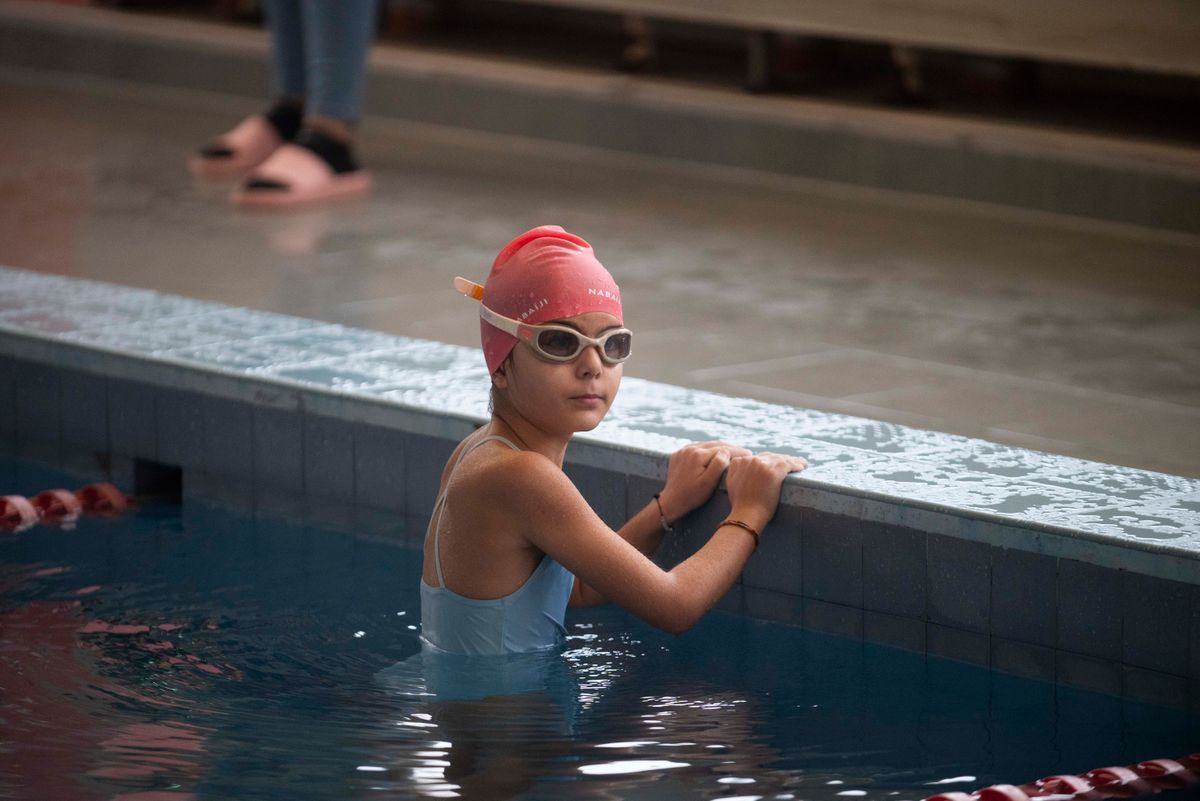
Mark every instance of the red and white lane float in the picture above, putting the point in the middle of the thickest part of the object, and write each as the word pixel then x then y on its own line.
pixel 60 506
pixel 102 499
pixel 1138 781
pixel 17 513
pixel 1167 774
pixel 57 506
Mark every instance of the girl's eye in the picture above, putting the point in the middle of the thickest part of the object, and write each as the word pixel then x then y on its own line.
pixel 558 343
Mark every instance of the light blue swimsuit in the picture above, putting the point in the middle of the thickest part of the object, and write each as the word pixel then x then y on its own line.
pixel 528 619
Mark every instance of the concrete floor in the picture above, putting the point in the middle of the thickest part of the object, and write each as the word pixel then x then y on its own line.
pixel 1041 332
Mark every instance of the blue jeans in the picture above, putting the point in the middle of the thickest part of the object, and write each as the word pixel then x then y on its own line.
pixel 319 52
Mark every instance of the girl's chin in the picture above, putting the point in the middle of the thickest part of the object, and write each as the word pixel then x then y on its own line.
pixel 586 422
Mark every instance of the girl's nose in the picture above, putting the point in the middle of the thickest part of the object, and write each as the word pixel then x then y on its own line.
pixel 590 362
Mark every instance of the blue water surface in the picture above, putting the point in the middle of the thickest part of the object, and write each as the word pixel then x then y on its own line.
pixel 189 652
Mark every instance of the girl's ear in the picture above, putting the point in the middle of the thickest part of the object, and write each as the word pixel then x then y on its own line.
pixel 500 377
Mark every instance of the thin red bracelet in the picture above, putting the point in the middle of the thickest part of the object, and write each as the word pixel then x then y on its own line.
pixel 742 525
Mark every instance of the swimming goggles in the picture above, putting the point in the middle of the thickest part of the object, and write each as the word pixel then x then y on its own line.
pixel 556 343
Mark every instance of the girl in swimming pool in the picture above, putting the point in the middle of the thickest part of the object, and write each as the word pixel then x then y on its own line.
pixel 511 542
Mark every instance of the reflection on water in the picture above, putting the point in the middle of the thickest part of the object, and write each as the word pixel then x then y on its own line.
pixel 169 657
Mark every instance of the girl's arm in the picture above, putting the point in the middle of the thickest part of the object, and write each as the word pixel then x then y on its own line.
pixel 693 473
pixel 559 522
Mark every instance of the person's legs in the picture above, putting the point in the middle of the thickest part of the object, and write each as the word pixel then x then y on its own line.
pixel 337 38
pixel 318 165
pixel 288 66
pixel 255 138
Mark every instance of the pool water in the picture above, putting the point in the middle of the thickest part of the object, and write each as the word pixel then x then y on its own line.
pixel 193 653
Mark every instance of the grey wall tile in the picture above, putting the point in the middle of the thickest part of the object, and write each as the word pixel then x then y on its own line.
pixel 272 504
pixel 381 524
pixel 228 437
pixel 844 621
pixel 604 491
pixel 894 630
pixel 676 544
pixel 333 514
pixel 767 605
pixel 959 583
pixel 123 473
pixel 9 475
pixel 379 467
pixel 1023 597
pixel 957 644
pixel 424 459
pixel 894 569
pixel 179 422
pixel 38 402
pixel 1023 659
pixel 229 492
pixel 638 492
pixel 1194 639
pixel 87 465
pixel 328 458
pixel 692 531
pixel 131 426
pixel 8 394
pixel 832 553
pixel 733 601
pixel 414 529
pixel 778 564
pixel 279 448
pixel 1087 673
pixel 1156 623
pixel 1089 609
pixel 84 410
pixel 1152 687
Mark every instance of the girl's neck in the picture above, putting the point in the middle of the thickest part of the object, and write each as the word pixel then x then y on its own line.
pixel 507 423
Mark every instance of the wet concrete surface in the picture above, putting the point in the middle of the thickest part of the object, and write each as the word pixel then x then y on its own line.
pixel 1070 337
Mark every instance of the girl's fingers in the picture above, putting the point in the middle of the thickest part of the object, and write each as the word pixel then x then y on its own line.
pixel 785 459
pixel 718 445
pixel 718 463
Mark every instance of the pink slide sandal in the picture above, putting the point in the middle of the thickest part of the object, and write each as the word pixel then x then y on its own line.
pixel 248 145
pixel 302 177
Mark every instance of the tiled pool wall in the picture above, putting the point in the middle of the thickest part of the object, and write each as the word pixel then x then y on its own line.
pixel 107 379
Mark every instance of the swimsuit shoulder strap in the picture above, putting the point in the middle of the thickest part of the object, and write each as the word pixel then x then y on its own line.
pixel 439 505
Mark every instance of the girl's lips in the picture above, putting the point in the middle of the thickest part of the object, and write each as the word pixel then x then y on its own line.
pixel 589 400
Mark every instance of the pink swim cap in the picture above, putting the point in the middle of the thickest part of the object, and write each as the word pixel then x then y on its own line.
pixel 544 274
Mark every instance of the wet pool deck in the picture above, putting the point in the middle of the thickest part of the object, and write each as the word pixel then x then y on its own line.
pixel 1040 331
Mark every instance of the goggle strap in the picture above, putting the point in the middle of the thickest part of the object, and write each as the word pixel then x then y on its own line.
pixel 471 289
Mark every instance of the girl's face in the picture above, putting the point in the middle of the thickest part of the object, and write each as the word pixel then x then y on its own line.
pixel 563 397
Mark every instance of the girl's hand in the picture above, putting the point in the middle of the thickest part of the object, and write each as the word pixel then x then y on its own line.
pixel 754 484
pixel 693 473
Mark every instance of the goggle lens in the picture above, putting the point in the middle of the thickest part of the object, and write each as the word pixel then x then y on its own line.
pixel 618 346
pixel 560 344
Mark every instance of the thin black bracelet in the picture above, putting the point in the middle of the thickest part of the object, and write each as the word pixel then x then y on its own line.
pixel 662 518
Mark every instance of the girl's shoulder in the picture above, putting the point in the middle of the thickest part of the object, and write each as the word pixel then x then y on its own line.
pixel 510 478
